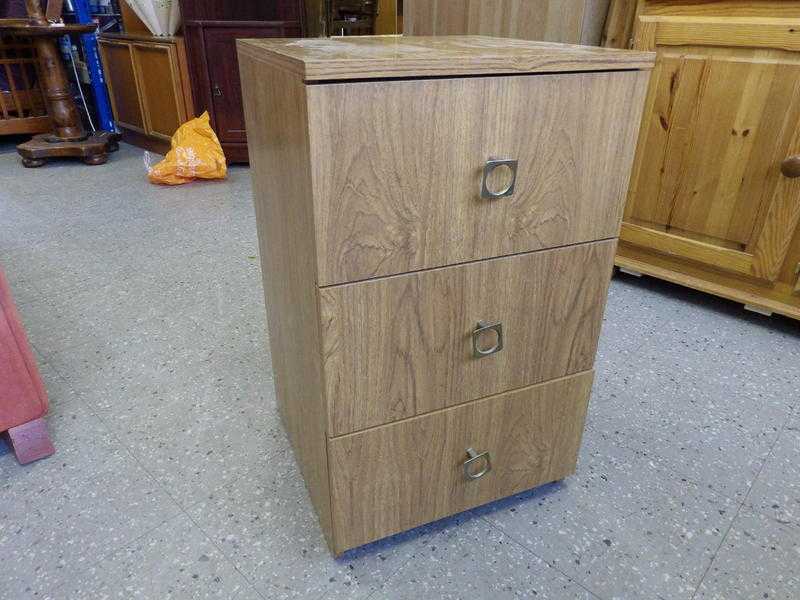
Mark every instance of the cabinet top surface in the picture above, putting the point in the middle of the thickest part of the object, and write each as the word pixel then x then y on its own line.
pixel 380 57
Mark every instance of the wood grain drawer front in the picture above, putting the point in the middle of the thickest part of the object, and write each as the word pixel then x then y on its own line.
pixel 397 167
pixel 399 476
pixel 403 346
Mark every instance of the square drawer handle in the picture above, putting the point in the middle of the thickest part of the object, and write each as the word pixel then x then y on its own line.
pixel 482 327
pixel 474 460
pixel 491 165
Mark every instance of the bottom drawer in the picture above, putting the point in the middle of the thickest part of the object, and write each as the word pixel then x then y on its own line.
pixel 401 475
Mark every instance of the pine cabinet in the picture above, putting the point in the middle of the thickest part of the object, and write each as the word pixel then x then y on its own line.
pixel 437 220
pixel 714 199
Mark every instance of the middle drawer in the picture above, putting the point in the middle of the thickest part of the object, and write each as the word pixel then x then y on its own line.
pixel 409 344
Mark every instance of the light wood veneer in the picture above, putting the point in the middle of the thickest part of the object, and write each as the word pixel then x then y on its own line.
pixel 380 257
pixel 382 57
pixel 412 470
pixel 550 20
pixel 396 165
pixel 402 346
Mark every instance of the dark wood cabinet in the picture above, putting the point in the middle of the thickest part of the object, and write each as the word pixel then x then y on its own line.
pixel 211 28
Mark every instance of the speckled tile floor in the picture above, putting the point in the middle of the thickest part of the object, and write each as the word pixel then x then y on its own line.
pixel 173 478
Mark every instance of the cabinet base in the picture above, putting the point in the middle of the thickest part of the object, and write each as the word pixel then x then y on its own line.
pixel 761 300
pixel 93 150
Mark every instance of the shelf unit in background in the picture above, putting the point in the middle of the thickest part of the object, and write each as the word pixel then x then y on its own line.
pixel 148 80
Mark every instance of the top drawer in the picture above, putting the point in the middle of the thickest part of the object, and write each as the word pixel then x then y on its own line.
pixel 398 166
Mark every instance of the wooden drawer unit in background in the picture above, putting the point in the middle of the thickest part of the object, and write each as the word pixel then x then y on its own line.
pixel 714 201
pixel 149 87
pixel 437 221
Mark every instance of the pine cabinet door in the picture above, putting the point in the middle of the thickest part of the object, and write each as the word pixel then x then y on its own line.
pixel 159 88
pixel 722 120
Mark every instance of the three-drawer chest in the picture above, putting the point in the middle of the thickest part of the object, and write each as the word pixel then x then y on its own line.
pixel 437 222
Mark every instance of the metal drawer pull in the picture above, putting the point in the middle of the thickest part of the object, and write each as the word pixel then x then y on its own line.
pixel 482 327
pixel 498 163
pixel 474 459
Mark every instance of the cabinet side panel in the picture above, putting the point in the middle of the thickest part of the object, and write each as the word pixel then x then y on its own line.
pixel 277 131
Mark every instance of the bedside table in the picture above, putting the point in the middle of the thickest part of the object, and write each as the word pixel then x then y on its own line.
pixel 437 223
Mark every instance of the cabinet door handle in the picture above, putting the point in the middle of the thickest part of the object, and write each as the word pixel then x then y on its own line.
pixel 491 166
pixel 217 90
pixel 484 327
pixel 475 459
pixel 790 167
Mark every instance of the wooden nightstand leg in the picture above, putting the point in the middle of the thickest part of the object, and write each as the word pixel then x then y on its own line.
pixel 30 441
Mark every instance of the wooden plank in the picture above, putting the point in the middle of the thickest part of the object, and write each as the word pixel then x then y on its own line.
pixel 28 125
pixel 395 477
pixel 782 217
pixel 381 57
pixel 279 155
pixel 402 346
pixel 594 17
pixel 618 28
pixel 123 87
pixel 4 97
pixel 796 289
pixel 398 166
pixel 12 88
pixel 548 20
pixel 746 32
pixel 721 8
pixel 159 87
pixel 186 99
pixel 776 298
pixel 675 245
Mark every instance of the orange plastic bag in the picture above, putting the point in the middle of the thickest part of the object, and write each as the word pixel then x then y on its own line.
pixel 195 154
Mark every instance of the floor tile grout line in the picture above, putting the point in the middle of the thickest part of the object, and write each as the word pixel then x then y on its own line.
pixel 767 457
pixel 386 580
pixel 676 473
pixel 716 552
pixel 550 564
pixel 132 453
pixel 182 511
pixel 113 431
pixel 223 553
pixel 738 511
pixel 670 470
pixel 121 547
pixel 166 311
